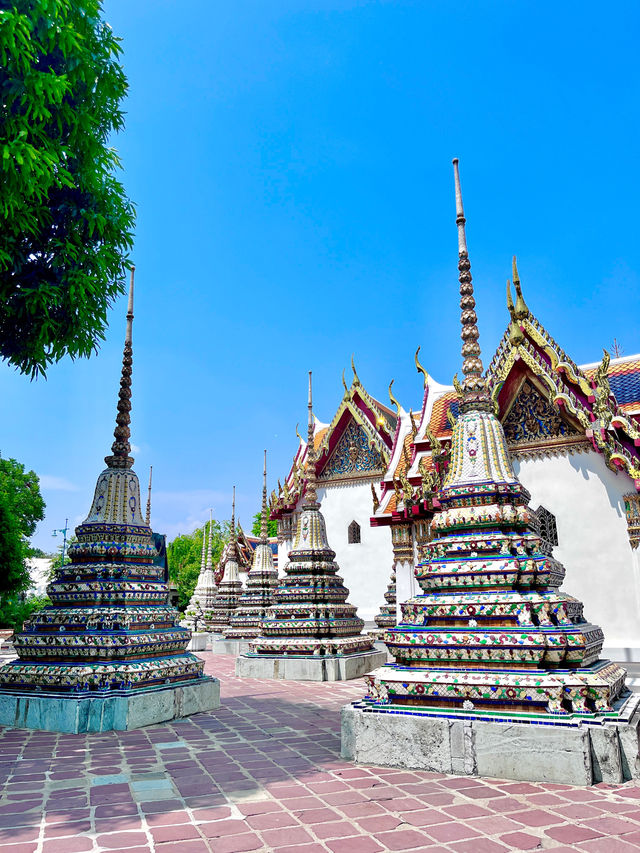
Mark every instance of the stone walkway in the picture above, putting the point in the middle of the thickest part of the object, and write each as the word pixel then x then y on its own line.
pixel 264 773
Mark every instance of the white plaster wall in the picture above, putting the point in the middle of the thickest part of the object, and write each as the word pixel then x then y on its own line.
pixel 365 567
pixel 586 498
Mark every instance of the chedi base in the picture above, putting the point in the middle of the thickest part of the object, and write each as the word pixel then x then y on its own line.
pixel 567 751
pixel 95 712
pixel 309 667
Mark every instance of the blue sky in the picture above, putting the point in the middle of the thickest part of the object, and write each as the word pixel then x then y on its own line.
pixel 291 166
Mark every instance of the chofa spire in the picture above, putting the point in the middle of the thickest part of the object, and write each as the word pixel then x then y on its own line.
pixel 121 447
pixel 264 518
pixel 311 496
pixel 474 392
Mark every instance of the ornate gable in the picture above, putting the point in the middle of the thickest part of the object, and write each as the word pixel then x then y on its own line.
pixel 532 419
pixel 353 456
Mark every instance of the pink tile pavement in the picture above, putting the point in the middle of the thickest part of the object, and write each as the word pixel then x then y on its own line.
pixel 264 773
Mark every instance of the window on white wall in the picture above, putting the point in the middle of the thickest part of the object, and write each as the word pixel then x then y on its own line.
pixel 353 533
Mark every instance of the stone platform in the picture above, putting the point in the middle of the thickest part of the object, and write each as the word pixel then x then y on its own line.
pixel 309 667
pixel 569 752
pixel 229 647
pixel 57 712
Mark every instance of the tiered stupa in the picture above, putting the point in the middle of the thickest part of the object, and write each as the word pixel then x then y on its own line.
pixel 230 587
pixel 199 612
pixel 108 652
pixel 246 621
pixel 497 672
pixel 310 633
pixel 386 618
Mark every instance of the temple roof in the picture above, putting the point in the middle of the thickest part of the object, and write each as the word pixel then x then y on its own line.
pixel 355 446
pixel 546 402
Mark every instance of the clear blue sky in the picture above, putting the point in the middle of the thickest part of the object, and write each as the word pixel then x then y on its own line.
pixel 291 165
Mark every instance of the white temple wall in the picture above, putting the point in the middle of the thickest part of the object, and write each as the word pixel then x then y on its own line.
pixel 601 568
pixel 406 584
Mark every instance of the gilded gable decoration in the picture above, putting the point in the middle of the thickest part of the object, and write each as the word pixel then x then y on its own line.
pixel 532 418
pixel 353 455
pixel 632 511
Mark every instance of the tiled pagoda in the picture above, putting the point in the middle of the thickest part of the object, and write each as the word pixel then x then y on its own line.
pixel 199 612
pixel 386 618
pixel 310 620
pixel 246 620
pixel 108 652
pixel 230 587
pixel 491 646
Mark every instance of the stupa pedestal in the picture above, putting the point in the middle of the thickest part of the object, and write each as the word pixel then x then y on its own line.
pixel 108 652
pixel 311 633
pixel 497 672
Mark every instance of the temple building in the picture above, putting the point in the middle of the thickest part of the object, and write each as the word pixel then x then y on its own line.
pixel 108 652
pixel 352 454
pixel 311 632
pixel 573 435
pixel 497 672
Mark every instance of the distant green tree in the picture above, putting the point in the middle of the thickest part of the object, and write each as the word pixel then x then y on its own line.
pixel 56 561
pixel 185 555
pixel 272 526
pixel 66 221
pixel 21 508
pixel 14 609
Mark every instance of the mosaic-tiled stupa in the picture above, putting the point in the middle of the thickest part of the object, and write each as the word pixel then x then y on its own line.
pixel 90 660
pixel 246 620
pixel 230 587
pixel 386 618
pixel 310 617
pixel 491 637
pixel 199 611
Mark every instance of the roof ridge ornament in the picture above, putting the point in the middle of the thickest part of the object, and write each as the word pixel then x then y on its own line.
pixel 356 378
pixel 121 448
pixel 473 391
pixel 420 368
pixel 344 382
pixel 521 311
pixel 394 402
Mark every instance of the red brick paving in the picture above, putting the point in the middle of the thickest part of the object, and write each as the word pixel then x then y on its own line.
pixel 263 773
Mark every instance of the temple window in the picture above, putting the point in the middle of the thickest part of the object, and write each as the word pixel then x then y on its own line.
pixel 353 533
pixel 547 529
pixel 632 511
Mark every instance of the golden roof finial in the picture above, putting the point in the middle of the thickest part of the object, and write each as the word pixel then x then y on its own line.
pixel 344 383
pixel 414 428
pixel 297 433
pixel 356 378
pixel 516 336
pixel 394 402
pixel 521 311
pixel 420 368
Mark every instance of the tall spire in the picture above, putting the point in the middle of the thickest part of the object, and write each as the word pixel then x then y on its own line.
pixel 148 518
pixel 474 393
pixel 121 447
pixel 264 529
pixel 209 564
pixel 232 538
pixel 204 547
pixel 311 497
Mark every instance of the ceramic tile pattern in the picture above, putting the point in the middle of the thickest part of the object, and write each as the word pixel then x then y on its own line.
pixel 264 773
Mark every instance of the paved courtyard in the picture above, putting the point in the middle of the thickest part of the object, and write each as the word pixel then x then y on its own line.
pixel 264 773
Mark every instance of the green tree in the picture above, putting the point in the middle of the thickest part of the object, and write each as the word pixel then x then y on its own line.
pixel 66 221
pixel 185 556
pixel 272 526
pixel 14 609
pixel 21 508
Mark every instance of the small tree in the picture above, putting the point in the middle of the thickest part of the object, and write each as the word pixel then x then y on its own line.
pixel 66 221
pixel 21 508
pixel 185 556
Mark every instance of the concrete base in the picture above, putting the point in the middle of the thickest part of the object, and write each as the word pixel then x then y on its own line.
pixel 56 712
pixel 298 668
pixel 229 647
pixel 198 641
pixel 575 752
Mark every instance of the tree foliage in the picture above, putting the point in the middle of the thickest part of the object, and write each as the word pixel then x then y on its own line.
pixel 14 609
pixel 21 508
pixel 185 557
pixel 66 221
pixel 272 525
